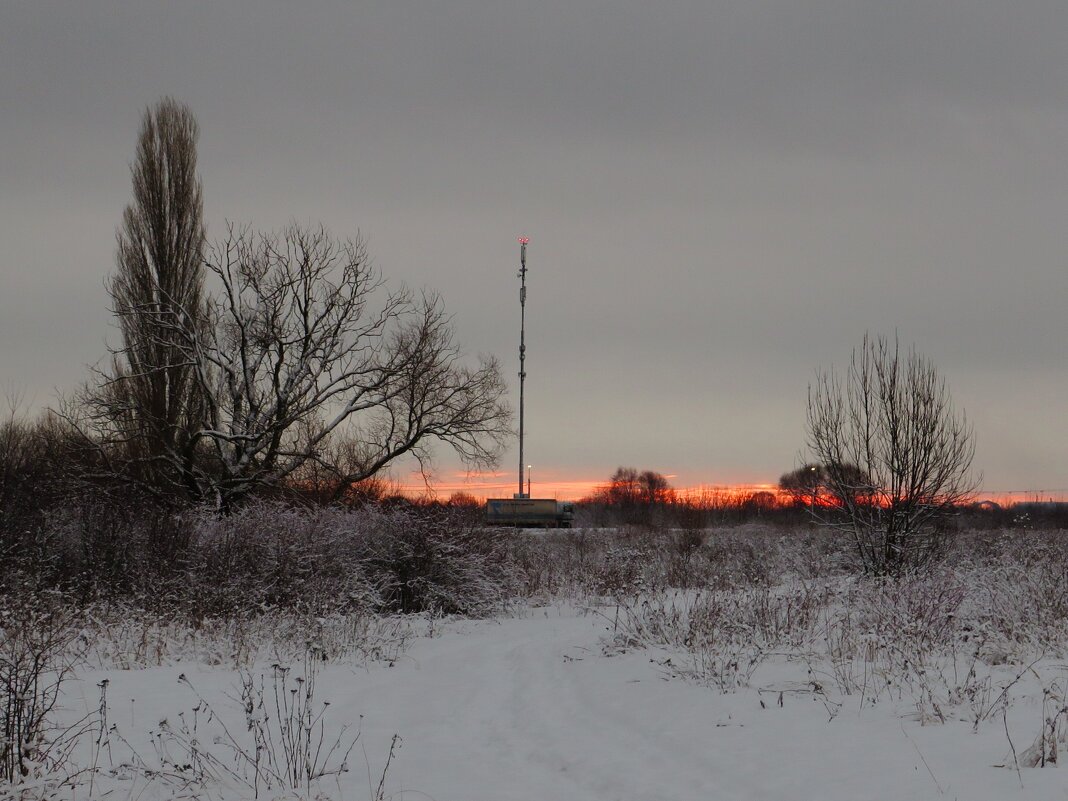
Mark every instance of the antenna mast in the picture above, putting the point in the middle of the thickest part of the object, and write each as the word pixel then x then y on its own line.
pixel 522 347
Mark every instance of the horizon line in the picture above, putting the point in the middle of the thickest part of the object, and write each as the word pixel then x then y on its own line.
pixel 579 489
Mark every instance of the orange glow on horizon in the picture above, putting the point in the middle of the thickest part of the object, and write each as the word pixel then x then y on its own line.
pixel 503 484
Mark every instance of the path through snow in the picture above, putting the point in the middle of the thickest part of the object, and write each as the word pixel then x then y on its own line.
pixel 530 709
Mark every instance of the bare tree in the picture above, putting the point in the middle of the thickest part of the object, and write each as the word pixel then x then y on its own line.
pixel 803 484
pixel 896 454
pixel 635 494
pixel 300 357
pixel 654 488
pixel 150 402
pixel 28 480
pixel 297 364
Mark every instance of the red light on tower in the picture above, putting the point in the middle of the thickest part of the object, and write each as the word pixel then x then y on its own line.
pixel 524 240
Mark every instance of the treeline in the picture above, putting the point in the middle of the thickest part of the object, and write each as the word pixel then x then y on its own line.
pixel 645 498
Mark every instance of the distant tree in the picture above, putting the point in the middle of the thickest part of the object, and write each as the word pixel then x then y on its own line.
pixel 463 500
pixel 654 488
pixel 759 502
pixel 803 484
pixel 623 489
pixel 29 475
pixel 150 405
pixel 635 493
pixel 808 483
pixel 891 417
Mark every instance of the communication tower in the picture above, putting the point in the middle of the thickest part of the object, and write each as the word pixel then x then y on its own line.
pixel 522 351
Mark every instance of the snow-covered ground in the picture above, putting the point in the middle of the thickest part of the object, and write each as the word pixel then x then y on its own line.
pixel 535 707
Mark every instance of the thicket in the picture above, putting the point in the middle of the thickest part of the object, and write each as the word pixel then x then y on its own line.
pixel 194 565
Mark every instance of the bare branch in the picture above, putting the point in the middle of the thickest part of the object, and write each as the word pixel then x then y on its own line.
pixel 895 456
pixel 296 354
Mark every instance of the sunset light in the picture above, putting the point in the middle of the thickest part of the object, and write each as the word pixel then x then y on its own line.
pixel 561 487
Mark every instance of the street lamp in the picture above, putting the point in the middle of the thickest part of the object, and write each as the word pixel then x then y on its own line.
pixel 529 467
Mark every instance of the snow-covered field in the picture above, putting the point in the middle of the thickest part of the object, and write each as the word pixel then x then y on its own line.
pixel 737 664
pixel 539 706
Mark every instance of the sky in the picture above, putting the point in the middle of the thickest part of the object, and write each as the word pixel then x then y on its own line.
pixel 721 198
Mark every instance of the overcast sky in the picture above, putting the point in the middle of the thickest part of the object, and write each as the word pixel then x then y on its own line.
pixel 720 197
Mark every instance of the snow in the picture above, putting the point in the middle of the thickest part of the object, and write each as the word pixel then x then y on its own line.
pixel 535 706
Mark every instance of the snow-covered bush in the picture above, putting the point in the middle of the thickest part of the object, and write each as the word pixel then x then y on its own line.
pixel 270 555
pixel 434 561
pixel 336 560
pixel 39 649
pixel 943 640
pixel 591 563
pixel 196 565
pixel 287 746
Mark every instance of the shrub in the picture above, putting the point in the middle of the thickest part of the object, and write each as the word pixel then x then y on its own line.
pixel 37 654
pixel 435 561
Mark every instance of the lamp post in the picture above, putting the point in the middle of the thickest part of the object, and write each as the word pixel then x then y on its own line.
pixel 529 468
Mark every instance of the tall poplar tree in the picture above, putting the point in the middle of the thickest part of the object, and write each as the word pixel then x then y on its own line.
pixel 158 292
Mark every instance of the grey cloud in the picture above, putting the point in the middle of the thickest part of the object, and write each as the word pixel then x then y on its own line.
pixel 721 196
